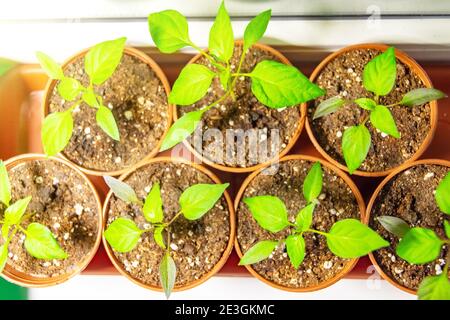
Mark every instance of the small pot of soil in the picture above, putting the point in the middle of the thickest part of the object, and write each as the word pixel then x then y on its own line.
pixel 170 238
pixel 60 229
pixel 403 130
pixel 338 200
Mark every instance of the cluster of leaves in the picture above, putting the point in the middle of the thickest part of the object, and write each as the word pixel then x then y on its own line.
pixel 421 245
pixel 123 234
pixel 347 238
pixel 100 62
pixel 379 78
pixel 39 240
pixel 274 84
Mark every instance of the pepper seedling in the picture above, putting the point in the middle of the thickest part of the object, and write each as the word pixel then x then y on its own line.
pixel 347 238
pixel 39 241
pixel 100 62
pixel 379 78
pixel 123 234
pixel 274 84
pixel 419 245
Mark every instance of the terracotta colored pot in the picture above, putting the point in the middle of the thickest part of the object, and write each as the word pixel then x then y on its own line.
pixel 291 143
pixel 359 200
pixel 225 254
pixel 26 280
pixel 155 67
pixel 413 65
pixel 372 202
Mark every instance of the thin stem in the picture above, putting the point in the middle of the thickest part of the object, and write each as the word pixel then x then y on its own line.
pixel 318 232
pixel 218 100
pixel 22 230
pixel 168 241
pixel 377 99
pixel 365 120
pixel 241 74
pixel 207 56
pixel 174 218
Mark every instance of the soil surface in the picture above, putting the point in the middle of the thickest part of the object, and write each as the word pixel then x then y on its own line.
pixel 272 128
pixel 335 203
pixel 410 196
pixel 196 246
pixel 343 76
pixel 138 101
pixel 63 202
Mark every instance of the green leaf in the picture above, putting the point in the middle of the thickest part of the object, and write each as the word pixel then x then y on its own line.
pixel 169 30
pixel 158 236
pixel 421 96
pixel 6 65
pixel 191 85
pixel 181 129
pixel 435 288
pixel 258 252
pixel 355 146
pixel 447 228
pixel 69 88
pixel 394 225
pixel 419 246
pixel 224 76
pixel 221 38
pixel 312 186
pixel 380 73
pixel 56 132
pixel 349 238
pixel 305 217
pixel 5 231
pixel 15 212
pixel 328 106
pixel 278 85
pixel 123 235
pixel 256 28
pixel 382 119
pixel 121 190
pixel 366 103
pixel 167 274
pixel 198 199
pixel 41 243
pixel 295 246
pixel 153 211
pixel 105 120
pixel 5 186
pixel 269 211
pixel 3 256
pixel 102 59
pixel 51 68
pixel 89 97
pixel 442 195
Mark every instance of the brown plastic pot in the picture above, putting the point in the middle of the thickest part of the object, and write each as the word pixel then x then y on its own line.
pixel 372 202
pixel 359 199
pixel 26 280
pixel 291 143
pixel 155 67
pixel 418 70
pixel 225 254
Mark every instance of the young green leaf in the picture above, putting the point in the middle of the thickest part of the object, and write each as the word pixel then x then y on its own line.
pixel 447 228
pixel 69 88
pixel 191 85
pixel 224 76
pixel 295 246
pixel 258 252
pixel 435 288
pixel 328 106
pixel 153 211
pixel 5 186
pixel 380 73
pixel 394 225
pixel 51 68
pixel 122 190
pixel 421 96
pixel 3 256
pixel 312 186
pixel 256 29
pixel 366 103
pixel 56 132
pixel 167 274
pixel 181 129
pixel 169 30
pixel 6 65
pixel 105 120
pixel 89 97
pixel 278 85
pixel 305 216
pixel 442 195
pixel 419 246
pixel 102 59
pixel 269 211
pixel 15 212
pixel 383 120
pixel 198 199
pixel 5 231
pixel 41 243
pixel 355 146
pixel 349 238
pixel 158 236
pixel 221 38
pixel 123 235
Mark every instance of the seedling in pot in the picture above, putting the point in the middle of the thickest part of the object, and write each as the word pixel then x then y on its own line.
pixel 274 84
pixel 39 241
pixel 123 234
pixel 100 62
pixel 379 78
pixel 347 238
pixel 419 245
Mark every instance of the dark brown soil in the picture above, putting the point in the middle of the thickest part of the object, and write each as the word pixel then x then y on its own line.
pixel 196 246
pixel 410 196
pixel 63 202
pixel 343 77
pixel 243 114
pixel 139 104
pixel 335 203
